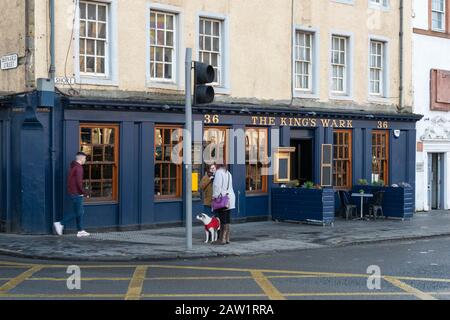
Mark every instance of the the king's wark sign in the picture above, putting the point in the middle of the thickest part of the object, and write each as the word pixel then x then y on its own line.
pixel 301 122
pixel 295 122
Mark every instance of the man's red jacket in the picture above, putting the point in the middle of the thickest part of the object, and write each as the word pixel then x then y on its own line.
pixel 75 180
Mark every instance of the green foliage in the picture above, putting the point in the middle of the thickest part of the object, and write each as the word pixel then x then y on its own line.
pixel 293 184
pixel 363 182
pixel 379 183
pixel 309 185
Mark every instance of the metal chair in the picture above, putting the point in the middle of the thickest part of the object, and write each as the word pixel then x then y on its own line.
pixel 348 207
pixel 377 205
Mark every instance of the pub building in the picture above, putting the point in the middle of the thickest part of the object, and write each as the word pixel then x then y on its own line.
pixel 133 181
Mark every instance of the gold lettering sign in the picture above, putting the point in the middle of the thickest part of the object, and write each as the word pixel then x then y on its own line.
pixel 296 122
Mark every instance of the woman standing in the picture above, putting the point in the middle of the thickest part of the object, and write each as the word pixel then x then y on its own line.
pixel 206 184
pixel 223 186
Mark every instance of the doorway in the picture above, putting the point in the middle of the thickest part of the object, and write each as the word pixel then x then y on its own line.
pixel 435 180
pixel 302 160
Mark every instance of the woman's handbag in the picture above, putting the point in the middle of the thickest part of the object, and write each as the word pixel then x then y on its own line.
pixel 221 202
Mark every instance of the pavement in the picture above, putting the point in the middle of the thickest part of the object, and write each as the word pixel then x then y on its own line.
pixel 248 239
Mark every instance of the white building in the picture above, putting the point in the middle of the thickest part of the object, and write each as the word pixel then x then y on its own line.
pixel 431 77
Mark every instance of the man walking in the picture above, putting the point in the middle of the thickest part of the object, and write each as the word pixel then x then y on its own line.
pixel 77 193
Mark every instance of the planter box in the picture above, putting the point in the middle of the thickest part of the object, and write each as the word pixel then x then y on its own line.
pixel 299 204
pixel 397 202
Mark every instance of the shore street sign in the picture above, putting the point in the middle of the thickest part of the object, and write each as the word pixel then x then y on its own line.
pixel 9 62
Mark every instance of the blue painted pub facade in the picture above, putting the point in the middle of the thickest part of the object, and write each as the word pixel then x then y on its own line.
pixel 129 192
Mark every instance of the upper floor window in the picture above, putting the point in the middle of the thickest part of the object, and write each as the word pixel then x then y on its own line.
pixel 438 9
pixel 162 46
pixel 93 38
pixel 303 60
pixel 210 46
pixel 380 3
pixel 376 67
pixel 339 51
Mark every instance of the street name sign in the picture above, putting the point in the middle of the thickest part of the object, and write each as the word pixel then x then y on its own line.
pixel 9 62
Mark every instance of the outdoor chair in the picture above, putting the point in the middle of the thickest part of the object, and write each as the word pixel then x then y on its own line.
pixel 349 208
pixel 377 205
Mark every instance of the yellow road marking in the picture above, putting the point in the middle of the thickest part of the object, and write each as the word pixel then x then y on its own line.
pixel 346 294
pixel 14 282
pixel 267 286
pixel 136 283
pixel 285 272
pixel 214 295
pixel 82 279
pixel 423 279
pixel 407 288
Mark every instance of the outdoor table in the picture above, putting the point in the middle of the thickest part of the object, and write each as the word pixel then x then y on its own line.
pixel 362 196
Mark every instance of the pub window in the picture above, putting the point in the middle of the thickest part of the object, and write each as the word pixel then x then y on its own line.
pixel 342 159
pixel 101 144
pixel 380 156
pixel 215 145
pixel 256 160
pixel 168 162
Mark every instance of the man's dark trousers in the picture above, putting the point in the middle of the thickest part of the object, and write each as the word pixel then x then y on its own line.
pixel 78 207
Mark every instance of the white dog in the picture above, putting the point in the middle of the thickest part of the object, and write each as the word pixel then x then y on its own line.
pixel 212 226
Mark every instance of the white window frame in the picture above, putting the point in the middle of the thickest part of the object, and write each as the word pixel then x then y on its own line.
pixel 224 86
pixel 377 55
pixel 385 92
pixel 110 78
pixel 313 91
pixel 347 94
pixel 342 65
pixel 177 82
pixel 307 60
pixel 379 4
pixel 443 13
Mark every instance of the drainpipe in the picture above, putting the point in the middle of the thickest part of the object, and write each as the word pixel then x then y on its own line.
pixel 53 127
pixel 401 56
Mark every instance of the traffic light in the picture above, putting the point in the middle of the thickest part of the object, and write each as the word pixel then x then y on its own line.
pixel 203 74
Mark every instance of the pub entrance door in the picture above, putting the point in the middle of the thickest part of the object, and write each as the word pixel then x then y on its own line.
pixel 302 160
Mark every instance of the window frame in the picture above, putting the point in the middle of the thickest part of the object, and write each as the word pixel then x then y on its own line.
pixel 203 20
pixel 226 131
pixel 177 80
pixel 349 161
pixel 379 4
pixel 174 46
pixel 111 77
pixel 310 63
pixel 345 66
pixel 179 167
pixel 225 86
pixel 444 14
pixel 264 178
pixel 106 41
pixel 445 32
pixel 116 165
pixel 381 69
pixel 384 133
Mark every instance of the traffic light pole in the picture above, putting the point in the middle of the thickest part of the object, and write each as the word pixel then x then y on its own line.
pixel 187 144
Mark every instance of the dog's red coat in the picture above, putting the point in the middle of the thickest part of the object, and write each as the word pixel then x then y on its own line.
pixel 215 224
